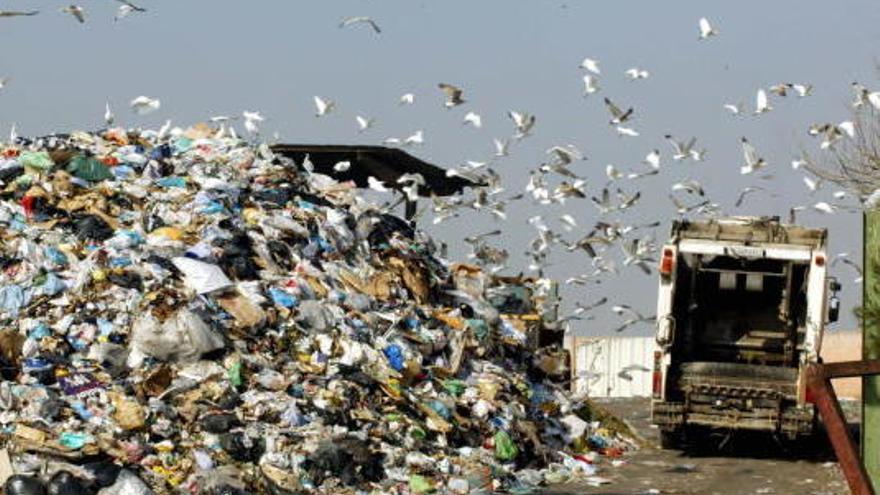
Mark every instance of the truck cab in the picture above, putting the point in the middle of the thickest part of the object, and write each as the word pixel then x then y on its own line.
pixel 741 309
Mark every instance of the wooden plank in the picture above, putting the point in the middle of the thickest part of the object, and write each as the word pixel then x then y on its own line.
pixel 871 345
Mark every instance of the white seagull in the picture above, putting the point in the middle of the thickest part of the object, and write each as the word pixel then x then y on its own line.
pixel 142 105
pixel 753 161
pixel 473 119
pixel 653 159
pixel 501 147
pixel 761 103
pixel 636 73
pixel 523 122
pixel 591 84
pixel 591 65
pixel 251 121
pixel 706 29
pixel 324 106
pixel 364 123
pixel 109 118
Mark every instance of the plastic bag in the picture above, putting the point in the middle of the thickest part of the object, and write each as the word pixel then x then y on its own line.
pixel 505 449
pixel 127 483
pixel 200 276
pixel 184 337
pixel 88 168
pixel 394 354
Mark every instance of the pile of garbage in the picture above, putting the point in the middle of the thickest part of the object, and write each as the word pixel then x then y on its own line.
pixel 185 312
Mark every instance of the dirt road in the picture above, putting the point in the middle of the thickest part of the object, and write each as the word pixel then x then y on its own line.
pixel 753 464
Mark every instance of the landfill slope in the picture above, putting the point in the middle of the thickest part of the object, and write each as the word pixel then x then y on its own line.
pixel 186 312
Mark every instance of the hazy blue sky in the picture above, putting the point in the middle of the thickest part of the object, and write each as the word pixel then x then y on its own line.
pixel 204 58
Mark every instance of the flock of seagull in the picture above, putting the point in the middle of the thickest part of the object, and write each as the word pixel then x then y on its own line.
pixel 78 12
pixel 557 179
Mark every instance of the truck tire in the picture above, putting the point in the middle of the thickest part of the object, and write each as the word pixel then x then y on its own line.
pixel 670 439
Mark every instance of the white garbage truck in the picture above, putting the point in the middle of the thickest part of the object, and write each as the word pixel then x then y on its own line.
pixel 742 306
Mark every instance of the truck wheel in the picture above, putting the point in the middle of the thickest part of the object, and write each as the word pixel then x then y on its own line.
pixel 670 439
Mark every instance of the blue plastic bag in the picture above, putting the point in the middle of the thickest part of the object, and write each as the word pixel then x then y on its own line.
pixel 282 298
pixel 394 354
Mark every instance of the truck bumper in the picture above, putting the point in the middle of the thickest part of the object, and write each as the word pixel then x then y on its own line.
pixel 792 421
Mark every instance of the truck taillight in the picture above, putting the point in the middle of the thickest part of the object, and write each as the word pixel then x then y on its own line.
pixel 657 378
pixel 809 398
pixel 667 262
pixel 819 260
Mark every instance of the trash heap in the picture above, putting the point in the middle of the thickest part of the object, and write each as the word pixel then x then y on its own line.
pixel 184 312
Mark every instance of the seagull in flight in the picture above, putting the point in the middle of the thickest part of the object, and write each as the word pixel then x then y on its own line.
pixel 627 131
pixel 753 161
pixel 501 147
pixel 350 21
pixel 142 105
pixel 523 122
pixel 566 154
pixel 591 84
pixel 619 116
pixel 473 119
pixel 109 118
pixel 364 123
pixel 690 186
pixel 126 9
pixel 734 108
pixel 802 90
pixel 591 65
pixel 634 316
pixel 324 106
pixel 132 6
pixel 761 103
pixel 706 29
pixel 251 121
pixel 635 73
pixel 745 192
pixel 681 149
pixel 407 99
pixel 653 159
pixel 18 13
pixel 453 95
pixel 76 11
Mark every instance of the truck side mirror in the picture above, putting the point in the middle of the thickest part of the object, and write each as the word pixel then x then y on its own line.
pixel 833 309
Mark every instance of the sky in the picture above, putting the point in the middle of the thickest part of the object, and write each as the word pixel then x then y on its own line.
pixel 203 58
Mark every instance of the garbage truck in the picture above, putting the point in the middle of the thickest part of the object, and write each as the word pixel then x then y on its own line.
pixel 741 309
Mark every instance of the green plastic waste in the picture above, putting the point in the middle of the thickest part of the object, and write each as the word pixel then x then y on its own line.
pixel 74 440
pixel 39 160
pixel 454 387
pixel 89 168
pixel 505 449
pixel 420 484
pixel 234 374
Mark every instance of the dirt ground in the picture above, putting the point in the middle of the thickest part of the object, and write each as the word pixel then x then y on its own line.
pixel 741 464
